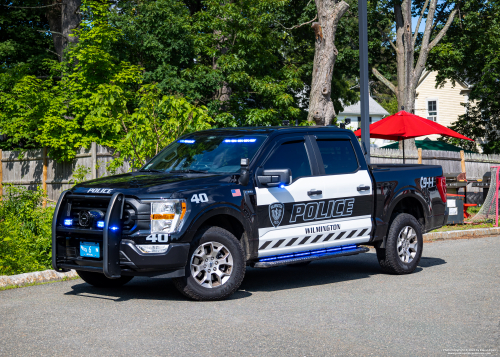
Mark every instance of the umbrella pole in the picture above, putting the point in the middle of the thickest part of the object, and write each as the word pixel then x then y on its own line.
pixel 403 150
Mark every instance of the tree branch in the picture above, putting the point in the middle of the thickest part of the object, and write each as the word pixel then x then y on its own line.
pixel 53 53
pixel 54 33
pixel 386 38
pixel 340 9
pixel 297 26
pixel 418 23
pixel 33 7
pixel 384 80
pixel 443 31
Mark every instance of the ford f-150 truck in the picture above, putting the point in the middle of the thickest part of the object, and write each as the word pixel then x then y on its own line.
pixel 214 202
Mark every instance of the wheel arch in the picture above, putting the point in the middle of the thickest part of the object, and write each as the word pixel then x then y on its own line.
pixel 226 217
pixel 407 201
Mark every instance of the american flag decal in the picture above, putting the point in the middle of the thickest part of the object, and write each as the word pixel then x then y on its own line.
pixel 236 192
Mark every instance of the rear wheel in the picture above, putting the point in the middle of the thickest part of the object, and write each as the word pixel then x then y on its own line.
pixel 403 246
pixel 101 281
pixel 216 266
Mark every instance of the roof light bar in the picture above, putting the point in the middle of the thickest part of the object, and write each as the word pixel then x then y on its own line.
pixel 186 141
pixel 240 140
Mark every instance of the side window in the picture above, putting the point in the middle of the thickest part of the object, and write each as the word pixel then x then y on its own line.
pixel 338 156
pixel 293 156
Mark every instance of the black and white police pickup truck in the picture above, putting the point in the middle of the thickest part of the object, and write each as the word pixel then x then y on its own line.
pixel 216 201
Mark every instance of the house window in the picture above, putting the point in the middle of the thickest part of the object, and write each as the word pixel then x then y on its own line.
pixel 359 121
pixel 432 110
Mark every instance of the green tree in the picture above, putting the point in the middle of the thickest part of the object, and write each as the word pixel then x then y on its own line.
pixel 97 98
pixel 470 53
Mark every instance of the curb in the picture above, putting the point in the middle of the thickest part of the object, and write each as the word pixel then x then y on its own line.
pixel 35 277
pixel 468 233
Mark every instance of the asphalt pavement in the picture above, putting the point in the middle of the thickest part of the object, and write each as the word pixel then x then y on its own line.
pixel 342 306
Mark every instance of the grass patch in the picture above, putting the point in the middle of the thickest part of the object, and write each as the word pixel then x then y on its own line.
pixel 36 283
pixel 460 227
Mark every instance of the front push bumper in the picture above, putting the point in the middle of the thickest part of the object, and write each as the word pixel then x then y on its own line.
pixel 119 256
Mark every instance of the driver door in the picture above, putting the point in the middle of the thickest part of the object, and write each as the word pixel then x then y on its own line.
pixel 284 214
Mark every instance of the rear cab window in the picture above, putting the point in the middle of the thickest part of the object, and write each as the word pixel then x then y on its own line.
pixel 338 156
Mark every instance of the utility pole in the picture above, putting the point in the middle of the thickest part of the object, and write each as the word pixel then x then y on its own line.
pixel 409 49
pixel 363 77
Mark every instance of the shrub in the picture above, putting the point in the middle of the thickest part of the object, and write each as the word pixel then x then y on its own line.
pixel 25 231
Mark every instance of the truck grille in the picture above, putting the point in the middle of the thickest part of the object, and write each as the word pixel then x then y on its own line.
pixel 84 213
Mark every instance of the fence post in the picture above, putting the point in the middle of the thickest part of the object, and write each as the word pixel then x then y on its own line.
pixel 44 174
pixel 420 156
pixel 93 153
pixel 462 157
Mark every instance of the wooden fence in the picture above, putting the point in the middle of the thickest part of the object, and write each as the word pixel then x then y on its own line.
pixel 475 165
pixel 34 168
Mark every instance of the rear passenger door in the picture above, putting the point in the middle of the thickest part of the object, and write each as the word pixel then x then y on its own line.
pixel 347 189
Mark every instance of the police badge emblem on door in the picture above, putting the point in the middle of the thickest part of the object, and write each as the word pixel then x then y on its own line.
pixel 276 212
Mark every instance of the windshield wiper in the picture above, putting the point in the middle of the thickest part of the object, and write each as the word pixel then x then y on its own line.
pixel 150 170
pixel 189 171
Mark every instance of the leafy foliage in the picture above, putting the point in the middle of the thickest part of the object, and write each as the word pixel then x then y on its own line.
pixel 25 231
pixel 143 72
pixel 98 98
pixel 470 53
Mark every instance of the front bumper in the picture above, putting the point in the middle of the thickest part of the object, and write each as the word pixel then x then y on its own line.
pixel 133 262
pixel 118 256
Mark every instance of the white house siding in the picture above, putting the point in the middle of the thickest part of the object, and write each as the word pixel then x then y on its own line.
pixel 447 97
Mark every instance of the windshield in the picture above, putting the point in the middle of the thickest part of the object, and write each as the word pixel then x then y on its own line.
pixel 206 153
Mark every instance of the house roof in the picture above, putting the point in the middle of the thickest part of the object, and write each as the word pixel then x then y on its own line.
pixel 375 109
pixel 426 73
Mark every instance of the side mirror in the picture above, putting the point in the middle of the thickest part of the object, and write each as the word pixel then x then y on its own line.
pixel 274 178
pixel 244 173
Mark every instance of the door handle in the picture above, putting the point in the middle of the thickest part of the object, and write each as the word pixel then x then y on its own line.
pixel 363 188
pixel 314 192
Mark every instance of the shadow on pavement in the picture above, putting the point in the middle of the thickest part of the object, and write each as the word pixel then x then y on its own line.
pixel 274 279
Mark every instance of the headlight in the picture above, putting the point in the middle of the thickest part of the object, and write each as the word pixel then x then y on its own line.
pixel 168 216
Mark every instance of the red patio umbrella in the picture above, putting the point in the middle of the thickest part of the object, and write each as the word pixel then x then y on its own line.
pixel 404 125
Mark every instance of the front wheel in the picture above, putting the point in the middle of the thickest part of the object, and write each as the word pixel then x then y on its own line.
pixel 404 244
pixel 216 266
pixel 101 281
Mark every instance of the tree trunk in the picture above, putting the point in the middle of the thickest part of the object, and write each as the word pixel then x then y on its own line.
pixel 70 20
pixel 63 19
pixel 408 77
pixel 223 94
pixel 53 15
pixel 321 108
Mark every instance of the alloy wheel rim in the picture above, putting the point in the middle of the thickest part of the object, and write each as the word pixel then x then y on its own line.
pixel 211 264
pixel 407 244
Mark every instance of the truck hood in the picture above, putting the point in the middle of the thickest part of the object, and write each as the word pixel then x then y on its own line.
pixel 142 183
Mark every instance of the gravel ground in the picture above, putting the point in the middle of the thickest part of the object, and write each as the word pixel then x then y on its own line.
pixel 342 306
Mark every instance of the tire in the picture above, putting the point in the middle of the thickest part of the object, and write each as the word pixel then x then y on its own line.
pixel 403 248
pixel 101 281
pixel 223 272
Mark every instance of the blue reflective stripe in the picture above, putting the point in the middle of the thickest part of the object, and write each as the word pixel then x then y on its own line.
pixel 316 253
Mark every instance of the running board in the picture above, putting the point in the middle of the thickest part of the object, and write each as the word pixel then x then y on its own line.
pixel 300 257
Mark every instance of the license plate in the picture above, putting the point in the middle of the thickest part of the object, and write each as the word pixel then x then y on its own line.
pixel 90 250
